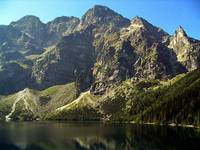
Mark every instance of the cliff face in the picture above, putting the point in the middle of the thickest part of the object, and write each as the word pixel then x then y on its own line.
pixel 187 49
pixel 138 51
pixel 70 60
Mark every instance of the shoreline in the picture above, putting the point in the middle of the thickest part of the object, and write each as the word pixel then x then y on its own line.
pixel 112 122
pixel 168 124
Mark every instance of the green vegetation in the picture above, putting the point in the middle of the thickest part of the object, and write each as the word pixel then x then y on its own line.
pixel 174 101
pixel 76 114
pixel 57 96
pixel 119 102
pixel 5 106
pixel 33 104
pixel 149 101
pixel 83 108
pixel 179 103
pixel 23 114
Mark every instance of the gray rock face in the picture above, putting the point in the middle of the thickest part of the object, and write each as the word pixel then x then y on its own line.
pixel 101 49
pixel 101 15
pixel 139 51
pixel 12 39
pixel 13 78
pixel 61 26
pixel 71 59
pixel 154 59
pixel 186 49
pixel 25 40
pixel 46 34
pixel 32 27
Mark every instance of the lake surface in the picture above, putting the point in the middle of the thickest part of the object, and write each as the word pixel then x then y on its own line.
pixel 94 136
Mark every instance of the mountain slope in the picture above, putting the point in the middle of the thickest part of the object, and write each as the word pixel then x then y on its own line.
pixel 32 26
pixel 176 101
pixel 81 109
pixel 180 104
pixel 30 104
pixel 139 51
pixel 71 59
pixel 119 67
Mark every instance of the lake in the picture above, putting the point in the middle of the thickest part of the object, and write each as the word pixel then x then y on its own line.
pixel 94 136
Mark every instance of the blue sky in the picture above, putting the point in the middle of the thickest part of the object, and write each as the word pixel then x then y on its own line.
pixel 167 14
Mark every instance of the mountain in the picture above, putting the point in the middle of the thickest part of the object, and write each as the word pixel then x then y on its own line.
pixel 32 26
pixel 101 15
pixel 102 66
pixel 61 26
pixel 186 49
pixel 70 60
pixel 138 51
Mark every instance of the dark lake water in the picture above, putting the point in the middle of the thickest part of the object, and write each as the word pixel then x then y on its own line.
pixel 94 136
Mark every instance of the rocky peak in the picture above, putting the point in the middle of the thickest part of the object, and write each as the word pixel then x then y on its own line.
pixel 59 27
pixel 100 11
pixel 30 25
pixel 63 25
pixel 186 49
pixel 27 18
pixel 139 22
pixel 179 40
pixel 27 22
pixel 141 29
pixel 103 15
pixel 180 32
pixel 63 19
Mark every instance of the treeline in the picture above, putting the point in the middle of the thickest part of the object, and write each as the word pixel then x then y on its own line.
pixel 151 102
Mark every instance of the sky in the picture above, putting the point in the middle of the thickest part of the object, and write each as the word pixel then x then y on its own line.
pixel 167 14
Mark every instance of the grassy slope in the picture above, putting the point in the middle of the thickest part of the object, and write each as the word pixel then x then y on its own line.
pixel 117 104
pixel 83 108
pixel 21 112
pixel 57 96
pixel 5 106
pixel 39 102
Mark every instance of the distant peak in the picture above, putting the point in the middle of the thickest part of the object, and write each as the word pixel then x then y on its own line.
pixel 100 7
pixel 137 18
pixel 140 22
pixel 181 31
pixel 64 19
pixel 28 18
pixel 101 14
pixel 180 27
pixel 99 10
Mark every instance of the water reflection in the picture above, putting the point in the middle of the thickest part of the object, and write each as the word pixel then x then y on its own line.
pixel 84 136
